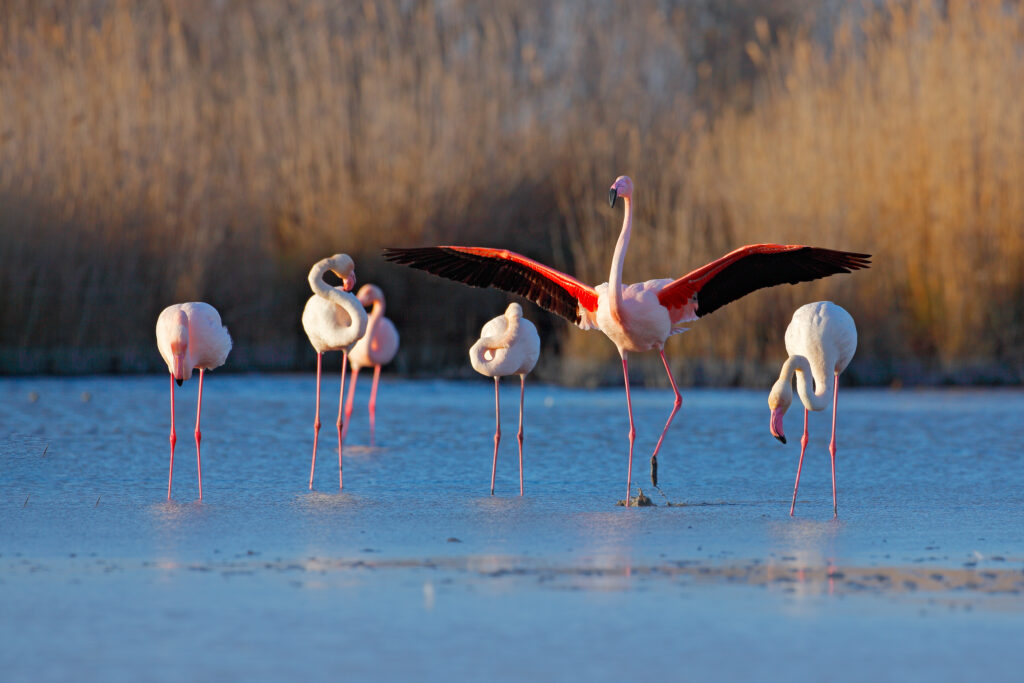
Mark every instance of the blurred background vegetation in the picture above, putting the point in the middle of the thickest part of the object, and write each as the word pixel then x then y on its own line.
pixel 161 151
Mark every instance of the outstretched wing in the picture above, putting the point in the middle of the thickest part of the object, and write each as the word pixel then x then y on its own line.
pixel 550 289
pixel 749 268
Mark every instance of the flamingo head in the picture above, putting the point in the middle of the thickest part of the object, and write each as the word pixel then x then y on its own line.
pixel 179 347
pixel 344 267
pixel 514 311
pixel 779 400
pixel 622 187
pixel 369 295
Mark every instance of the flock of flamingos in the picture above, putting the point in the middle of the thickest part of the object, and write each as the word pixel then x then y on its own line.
pixel 820 340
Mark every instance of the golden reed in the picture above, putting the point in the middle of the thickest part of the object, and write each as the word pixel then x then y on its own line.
pixel 169 150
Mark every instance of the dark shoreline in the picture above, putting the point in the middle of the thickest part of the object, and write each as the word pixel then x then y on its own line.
pixel 571 372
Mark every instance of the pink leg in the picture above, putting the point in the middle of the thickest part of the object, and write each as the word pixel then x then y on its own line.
pixel 497 433
pixel 341 423
pixel 522 395
pixel 832 444
pixel 373 403
pixel 199 434
pixel 803 447
pixel 351 399
pixel 174 440
pixel 675 409
pixel 632 429
pixel 316 421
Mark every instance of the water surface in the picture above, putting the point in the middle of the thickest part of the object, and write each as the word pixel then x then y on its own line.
pixel 413 570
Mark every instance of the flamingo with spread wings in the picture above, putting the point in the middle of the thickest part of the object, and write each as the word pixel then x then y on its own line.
pixel 637 317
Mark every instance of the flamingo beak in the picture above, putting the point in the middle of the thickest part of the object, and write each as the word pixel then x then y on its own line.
pixel 776 425
pixel 348 282
pixel 613 194
pixel 179 382
pixel 179 369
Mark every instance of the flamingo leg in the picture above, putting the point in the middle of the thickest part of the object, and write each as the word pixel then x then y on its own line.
pixel 373 403
pixel 632 429
pixel 522 395
pixel 316 421
pixel 351 399
pixel 341 422
pixel 675 409
pixel 497 433
pixel 173 439
pixel 199 434
pixel 803 447
pixel 832 444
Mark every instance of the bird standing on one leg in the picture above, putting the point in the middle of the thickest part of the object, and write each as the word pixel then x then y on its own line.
pixel 820 340
pixel 377 347
pixel 637 317
pixel 190 336
pixel 333 320
pixel 508 345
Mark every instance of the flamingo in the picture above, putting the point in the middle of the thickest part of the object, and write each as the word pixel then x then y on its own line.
pixel 333 320
pixel 508 345
pixel 377 347
pixel 637 317
pixel 820 340
pixel 190 336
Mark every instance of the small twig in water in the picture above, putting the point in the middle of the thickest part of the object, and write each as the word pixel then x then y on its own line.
pixel 663 494
pixel 25 504
pixel 101 495
pixel 44 451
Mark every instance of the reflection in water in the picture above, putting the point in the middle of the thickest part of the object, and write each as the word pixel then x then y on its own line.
pixel 428 595
pixel 429 485
pixel 174 522
pixel 315 501
pixel 804 559
pixel 805 541
pixel 496 503
pixel 611 533
pixel 360 450
pixel 492 565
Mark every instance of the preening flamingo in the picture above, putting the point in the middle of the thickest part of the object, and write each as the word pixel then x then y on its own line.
pixel 190 336
pixel 333 320
pixel 377 347
pixel 637 317
pixel 820 340
pixel 508 345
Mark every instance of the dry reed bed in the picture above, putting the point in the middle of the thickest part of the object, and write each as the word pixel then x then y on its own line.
pixel 164 151
pixel 906 141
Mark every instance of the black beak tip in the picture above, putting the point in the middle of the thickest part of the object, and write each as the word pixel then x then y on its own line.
pixel 780 438
pixel 612 196
pixel 179 382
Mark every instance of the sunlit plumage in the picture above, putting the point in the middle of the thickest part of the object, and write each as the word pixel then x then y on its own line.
pixel 508 345
pixel 637 317
pixel 820 340
pixel 333 320
pixel 190 337
pixel 375 348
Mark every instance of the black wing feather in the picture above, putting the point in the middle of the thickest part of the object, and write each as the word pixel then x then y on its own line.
pixel 766 270
pixel 482 271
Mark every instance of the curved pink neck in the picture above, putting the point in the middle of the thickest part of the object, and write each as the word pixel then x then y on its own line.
pixel 813 387
pixel 618 259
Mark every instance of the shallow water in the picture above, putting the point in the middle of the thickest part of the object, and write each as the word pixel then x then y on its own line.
pixel 415 571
